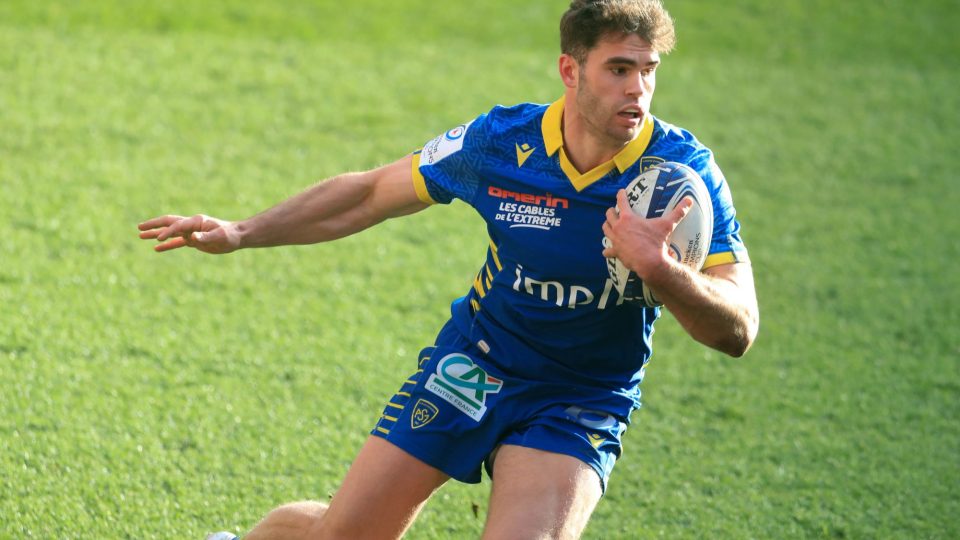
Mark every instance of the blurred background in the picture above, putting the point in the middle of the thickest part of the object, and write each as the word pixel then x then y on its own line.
pixel 166 396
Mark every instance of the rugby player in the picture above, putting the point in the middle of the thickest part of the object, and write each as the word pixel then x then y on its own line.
pixel 536 373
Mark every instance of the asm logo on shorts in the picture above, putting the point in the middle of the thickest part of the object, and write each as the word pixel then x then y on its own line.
pixel 461 383
pixel 423 413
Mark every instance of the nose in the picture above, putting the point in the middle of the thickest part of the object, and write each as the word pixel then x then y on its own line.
pixel 636 86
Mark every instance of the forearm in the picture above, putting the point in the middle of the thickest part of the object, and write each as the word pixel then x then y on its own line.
pixel 329 210
pixel 338 207
pixel 718 312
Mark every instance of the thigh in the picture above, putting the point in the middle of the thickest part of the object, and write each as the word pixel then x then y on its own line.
pixel 540 495
pixel 381 494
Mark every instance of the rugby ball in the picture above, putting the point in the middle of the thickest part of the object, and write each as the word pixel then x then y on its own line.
pixel 657 191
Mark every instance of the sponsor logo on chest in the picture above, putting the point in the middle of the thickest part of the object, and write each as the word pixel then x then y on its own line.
pixel 527 210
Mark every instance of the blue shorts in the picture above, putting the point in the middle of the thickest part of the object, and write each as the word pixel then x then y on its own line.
pixel 456 409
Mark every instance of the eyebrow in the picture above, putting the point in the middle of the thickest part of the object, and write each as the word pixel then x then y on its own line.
pixel 623 60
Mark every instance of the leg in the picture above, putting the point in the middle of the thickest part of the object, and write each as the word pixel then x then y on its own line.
pixel 540 495
pixel 381 495
pixel 288 521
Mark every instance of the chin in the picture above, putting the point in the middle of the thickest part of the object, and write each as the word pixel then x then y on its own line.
pixel 623 136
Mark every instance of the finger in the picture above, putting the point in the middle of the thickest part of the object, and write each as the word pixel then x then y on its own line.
pixel 607 230
pixel 174 243
pixel 612 215
pixel 187 239
pixel 147 235
pixel 181 228
pixel 159 222
pixel 623 204
pixel 681 210
pixel 608 249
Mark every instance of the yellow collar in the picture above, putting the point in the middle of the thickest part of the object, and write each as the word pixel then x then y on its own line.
pixel 553 141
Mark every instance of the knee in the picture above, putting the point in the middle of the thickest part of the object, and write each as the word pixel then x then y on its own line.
pixel 298 520
pixel 307 511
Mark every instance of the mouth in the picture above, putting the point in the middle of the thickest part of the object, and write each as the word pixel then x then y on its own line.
pixel 632 114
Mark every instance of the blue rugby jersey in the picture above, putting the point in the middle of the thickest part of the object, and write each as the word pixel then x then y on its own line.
pixel 543 306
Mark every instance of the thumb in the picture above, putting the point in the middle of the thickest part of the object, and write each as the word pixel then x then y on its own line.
pixel 207 237
pixel 681 210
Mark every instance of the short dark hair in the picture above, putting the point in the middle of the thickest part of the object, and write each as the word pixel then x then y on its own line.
pixel 589 21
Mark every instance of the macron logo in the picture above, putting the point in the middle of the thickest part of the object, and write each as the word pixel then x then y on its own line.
pixel 523 152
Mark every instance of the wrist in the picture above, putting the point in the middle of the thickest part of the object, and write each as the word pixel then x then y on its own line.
pixel 242 230
pixel 660 274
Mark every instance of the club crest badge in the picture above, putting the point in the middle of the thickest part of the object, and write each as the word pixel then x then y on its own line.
pixel 423 413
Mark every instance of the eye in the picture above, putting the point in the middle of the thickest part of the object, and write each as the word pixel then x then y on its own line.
pixel 619 71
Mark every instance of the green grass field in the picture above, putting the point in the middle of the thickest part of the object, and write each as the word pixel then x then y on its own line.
pixel 165 396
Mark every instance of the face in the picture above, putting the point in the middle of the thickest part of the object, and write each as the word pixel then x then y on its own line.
pixel 614 88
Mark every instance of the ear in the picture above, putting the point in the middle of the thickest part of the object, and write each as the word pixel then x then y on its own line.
pixel 569 70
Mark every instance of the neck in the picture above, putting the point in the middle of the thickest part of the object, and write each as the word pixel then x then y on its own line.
pixel 584 146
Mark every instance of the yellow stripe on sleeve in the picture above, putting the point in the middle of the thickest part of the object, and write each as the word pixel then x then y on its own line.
pixel 477 286
pixel 727 257
pixel 496 260
pixel 419 183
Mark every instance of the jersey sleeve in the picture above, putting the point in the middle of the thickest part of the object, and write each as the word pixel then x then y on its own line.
pixel 448 166
pixel 726 245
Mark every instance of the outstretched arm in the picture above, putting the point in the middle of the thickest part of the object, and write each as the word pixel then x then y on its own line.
pixel 717 307
pixel 332 209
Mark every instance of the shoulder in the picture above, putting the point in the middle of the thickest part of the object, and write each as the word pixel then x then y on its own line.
pixel 502 119
pixel 674 143
pixel 677 140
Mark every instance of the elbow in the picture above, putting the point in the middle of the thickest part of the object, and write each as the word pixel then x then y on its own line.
pixel 737 342
pixel 736 348
pixel 744 337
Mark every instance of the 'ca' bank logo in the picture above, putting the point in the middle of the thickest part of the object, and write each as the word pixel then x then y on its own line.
pixel 463 384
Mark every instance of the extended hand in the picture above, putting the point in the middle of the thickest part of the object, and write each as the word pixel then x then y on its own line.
pixel 641 243
pixel 207 234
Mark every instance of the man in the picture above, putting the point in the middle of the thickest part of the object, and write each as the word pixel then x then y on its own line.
pixel 536 373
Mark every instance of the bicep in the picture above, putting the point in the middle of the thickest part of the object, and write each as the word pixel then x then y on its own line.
pixel 393 193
